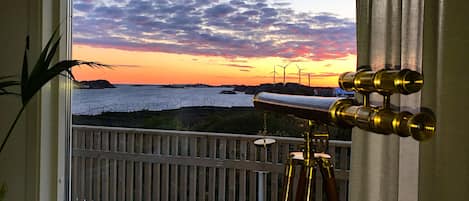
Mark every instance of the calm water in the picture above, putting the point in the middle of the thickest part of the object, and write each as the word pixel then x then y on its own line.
pixel 126 98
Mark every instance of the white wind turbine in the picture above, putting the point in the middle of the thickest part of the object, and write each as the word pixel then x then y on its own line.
pixel 274 72
pixel 284 68
pixel 299 73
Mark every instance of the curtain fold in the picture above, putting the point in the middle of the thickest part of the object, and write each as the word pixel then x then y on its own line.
pixel 389 36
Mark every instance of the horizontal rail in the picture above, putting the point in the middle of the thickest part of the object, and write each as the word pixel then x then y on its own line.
pixel 292 140
pixel 110 163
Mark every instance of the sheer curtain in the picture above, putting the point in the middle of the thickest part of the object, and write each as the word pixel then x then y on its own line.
pixel 389 35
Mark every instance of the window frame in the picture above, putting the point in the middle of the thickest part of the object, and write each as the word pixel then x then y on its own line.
pixel 49 114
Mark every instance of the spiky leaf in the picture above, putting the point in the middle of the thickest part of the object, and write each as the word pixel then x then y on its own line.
pixel 3 191
pixel 45 57
pixel 35 82
pixel 43 72
pixel 40 75
pixel 24 70
pixel 5 83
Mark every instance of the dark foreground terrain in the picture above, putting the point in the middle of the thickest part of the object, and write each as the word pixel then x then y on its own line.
pixel 242 120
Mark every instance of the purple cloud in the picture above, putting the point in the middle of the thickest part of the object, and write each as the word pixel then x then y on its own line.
pixel 84 7
pixel 219 11
pixel 237 29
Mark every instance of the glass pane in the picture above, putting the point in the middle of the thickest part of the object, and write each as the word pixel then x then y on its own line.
pixel 173 117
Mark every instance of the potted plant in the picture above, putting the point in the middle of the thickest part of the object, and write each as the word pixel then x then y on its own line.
pixel 42 72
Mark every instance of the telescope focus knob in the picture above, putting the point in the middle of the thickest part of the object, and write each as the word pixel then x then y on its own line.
pixel 404 81
pixel 422 126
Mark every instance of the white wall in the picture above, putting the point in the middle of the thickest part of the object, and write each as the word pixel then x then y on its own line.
pixel 14 25
pixel 31 163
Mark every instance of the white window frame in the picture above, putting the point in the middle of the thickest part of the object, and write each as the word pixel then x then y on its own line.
pixel 49 114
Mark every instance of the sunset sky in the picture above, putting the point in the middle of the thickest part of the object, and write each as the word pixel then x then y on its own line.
pixel 215 42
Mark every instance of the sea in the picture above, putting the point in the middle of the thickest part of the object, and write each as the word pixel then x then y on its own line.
pixel 129 98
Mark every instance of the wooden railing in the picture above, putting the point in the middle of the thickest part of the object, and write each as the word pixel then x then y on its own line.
pixel 126 164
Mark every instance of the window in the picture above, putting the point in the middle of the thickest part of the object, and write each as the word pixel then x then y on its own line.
pixel 185 66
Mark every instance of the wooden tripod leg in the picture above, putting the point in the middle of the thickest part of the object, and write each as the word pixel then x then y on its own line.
pixel 288 179
pixel 305 191
pixel 300 189
pixel 310 178
pixel 327 172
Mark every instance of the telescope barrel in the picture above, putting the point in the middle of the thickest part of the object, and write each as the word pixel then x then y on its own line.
pixel 384 81
pixel 306 107
pixel 346 113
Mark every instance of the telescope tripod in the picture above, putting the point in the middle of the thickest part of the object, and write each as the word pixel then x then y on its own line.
pixel 313 157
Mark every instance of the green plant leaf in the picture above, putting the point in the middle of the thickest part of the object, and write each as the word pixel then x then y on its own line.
pixel 40 75
pixel 52 52
pixel 24 70
pixel 3 191
pixel 37 81
pixel 7 83
pixel 69 71
pixel 42 63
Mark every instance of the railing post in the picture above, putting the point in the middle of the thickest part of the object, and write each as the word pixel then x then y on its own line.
pixel 248 172
pixel 261 185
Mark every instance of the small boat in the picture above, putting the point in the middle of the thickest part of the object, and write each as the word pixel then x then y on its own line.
pixel 227 92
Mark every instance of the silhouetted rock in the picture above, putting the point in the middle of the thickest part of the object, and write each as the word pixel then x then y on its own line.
pixel 288 88
pixel 227 92
pixel 240 88
pixel 94 84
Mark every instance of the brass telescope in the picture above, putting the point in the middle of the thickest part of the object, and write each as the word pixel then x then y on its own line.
pixel 345 112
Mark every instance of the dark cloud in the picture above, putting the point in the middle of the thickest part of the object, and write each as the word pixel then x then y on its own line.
pixel 219 11
pixel 113 12
pixel 234 29
pixel 323 75
pixel 85 7
pixel 250 13
pixel 125 65
pixel 239 66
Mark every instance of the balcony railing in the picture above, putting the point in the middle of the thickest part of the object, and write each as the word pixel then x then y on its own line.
pixel 125 164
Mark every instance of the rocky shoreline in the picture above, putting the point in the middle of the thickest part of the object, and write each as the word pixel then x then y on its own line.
pixel 288 88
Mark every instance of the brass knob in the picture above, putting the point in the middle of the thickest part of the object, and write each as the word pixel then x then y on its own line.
pixel 422 126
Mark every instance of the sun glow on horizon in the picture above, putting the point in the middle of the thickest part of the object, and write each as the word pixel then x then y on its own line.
pixel 215 42
pixel 137 67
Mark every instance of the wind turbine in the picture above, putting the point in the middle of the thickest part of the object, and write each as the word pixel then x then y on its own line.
pixel 284 68
pixel 309 79
pixel 274 72
pixel 299 73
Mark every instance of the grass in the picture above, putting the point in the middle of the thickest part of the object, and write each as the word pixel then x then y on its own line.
pixel 240 120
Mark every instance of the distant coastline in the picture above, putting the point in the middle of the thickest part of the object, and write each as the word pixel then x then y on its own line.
pixel 288 88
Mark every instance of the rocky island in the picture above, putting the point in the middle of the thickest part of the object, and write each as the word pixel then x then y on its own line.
pixel 94 84
pixel 288 88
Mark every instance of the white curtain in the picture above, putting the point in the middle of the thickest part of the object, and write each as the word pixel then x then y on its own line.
pixel 389 35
